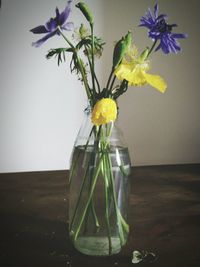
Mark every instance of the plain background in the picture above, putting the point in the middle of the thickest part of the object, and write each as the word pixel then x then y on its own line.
pixel 41 104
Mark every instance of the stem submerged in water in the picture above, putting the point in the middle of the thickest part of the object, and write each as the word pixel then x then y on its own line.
pixel 99 169
pixel 88 201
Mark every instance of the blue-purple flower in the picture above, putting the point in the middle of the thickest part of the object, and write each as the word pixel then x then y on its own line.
pixel 159 29
pixel 52 26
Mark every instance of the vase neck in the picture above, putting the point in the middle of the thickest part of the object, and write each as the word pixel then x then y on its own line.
pixel 89 133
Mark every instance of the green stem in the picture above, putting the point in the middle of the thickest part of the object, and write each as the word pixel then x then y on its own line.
pixel 111 86
pixel 98 85
pixel 93 158
pixel 96 221
pixel 75 161
pixel 152 47
pixel 66 39
pixel 108 168
pixel 87 88
pixel 106 185
pixel 73 167
pixel 89 198
pixel 121 234
pixel 105 175
pixel 109 79
pixel 91 205
pixel 92 33
pixel 91 188
pixel 93 75
pixel 122 89
pixel 124 223
pixel 83 183
pixel 79 198
pixel 88 91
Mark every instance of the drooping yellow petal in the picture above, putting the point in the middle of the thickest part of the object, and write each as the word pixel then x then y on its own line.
pixel 104 111
pixel 156 81
pixel 136 77
pixel 134 68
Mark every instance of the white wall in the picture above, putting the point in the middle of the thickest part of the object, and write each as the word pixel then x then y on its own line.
pixel 41 105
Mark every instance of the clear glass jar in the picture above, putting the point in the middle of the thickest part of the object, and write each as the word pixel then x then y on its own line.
pixel 99 190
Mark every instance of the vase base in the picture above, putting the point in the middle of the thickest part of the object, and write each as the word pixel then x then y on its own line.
pixel 97 246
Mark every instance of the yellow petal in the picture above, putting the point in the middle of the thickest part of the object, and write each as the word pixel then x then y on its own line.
pixel 133 74
pixel 104 111
pixel 156 81
pixel 136 77
pixel 122 71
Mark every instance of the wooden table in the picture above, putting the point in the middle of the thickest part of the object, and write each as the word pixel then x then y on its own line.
pixel 164 219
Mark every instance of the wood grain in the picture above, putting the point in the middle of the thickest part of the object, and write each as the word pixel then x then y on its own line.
pixel 164 219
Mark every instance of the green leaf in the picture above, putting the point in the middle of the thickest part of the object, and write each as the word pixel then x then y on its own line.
pixel 59 53
pixel 86 44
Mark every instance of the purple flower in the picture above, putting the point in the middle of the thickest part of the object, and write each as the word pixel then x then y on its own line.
pixel 160 30
pixel 51 27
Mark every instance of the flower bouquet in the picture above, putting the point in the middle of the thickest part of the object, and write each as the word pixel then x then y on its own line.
pixel 100 164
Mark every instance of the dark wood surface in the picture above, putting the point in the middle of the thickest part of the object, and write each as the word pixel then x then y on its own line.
pixel 164 219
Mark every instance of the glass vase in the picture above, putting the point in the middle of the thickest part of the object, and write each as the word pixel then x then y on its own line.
pixel 99 190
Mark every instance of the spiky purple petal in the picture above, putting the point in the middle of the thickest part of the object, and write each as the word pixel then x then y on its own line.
pixel 158 29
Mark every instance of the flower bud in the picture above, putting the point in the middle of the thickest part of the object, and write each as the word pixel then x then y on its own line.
pixel 144 55
pixel 119 52
pixel 86 11
pixel 83 32
pixel 121 48
pixel 128 39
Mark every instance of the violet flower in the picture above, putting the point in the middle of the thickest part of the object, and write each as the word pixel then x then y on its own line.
pixel 160 30
pixel 52 26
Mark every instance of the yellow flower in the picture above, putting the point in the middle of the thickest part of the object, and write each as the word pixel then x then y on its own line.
pixel 104 111
pixel 133 69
